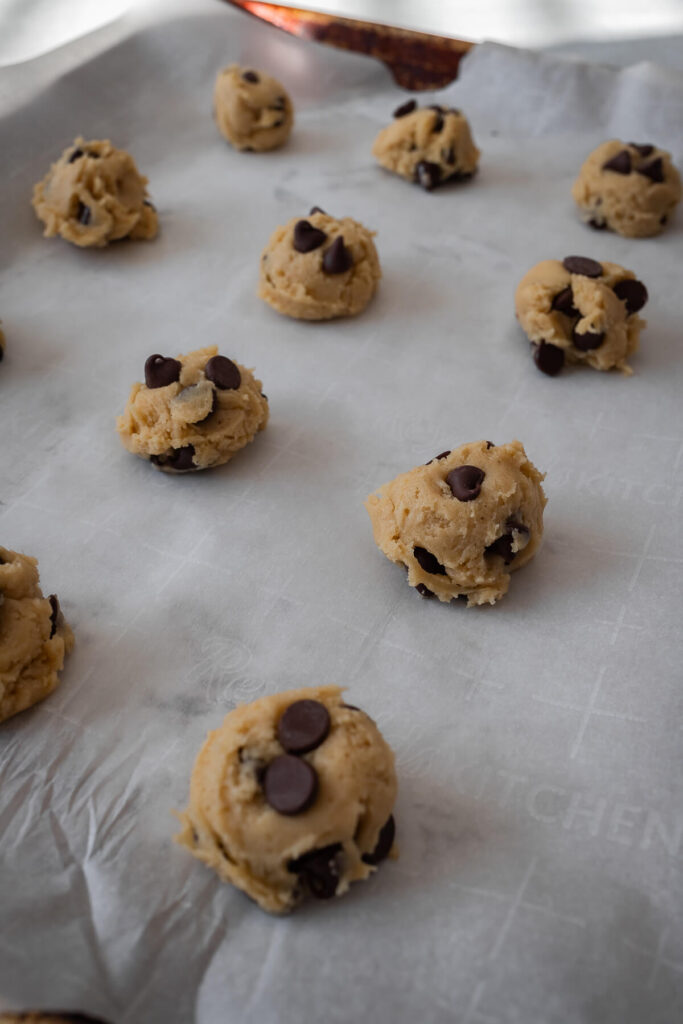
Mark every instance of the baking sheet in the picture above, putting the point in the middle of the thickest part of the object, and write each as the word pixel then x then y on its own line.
pixel 537 742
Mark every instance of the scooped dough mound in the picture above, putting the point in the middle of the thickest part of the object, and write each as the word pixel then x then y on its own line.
pixel 252 110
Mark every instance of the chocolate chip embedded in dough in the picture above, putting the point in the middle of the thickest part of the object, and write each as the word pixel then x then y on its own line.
pixel 385 841
pixel 620 163
pixel 564 303
pixel 437 458
pixel 316 209
pixel 303 726
pixel 307 238
pixel 179 459
pixel 427 174
pixel 582 265
pixel 76 155
pixel 587 341
pixel 448 155
pixel 337 259
pixel 643 149
pixel 654 170
pixel 597 225
pixel 428 562
pixel 633 293
pixel 250 76
pixel 548 358
pixel 290 784
pixel 503 545
pixel 148 202
pixel 406 108
pixel 54 614
pixel 424 591
pixel 83 214
pixel 465 482
pixel 438 122
pixel 222 372
pixel 319 870
pixel 160 371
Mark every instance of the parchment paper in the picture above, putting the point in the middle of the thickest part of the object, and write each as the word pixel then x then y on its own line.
pixel 538 742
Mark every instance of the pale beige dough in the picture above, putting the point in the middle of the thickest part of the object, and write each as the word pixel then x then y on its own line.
pixel 597 310
pixel 631 202
pixel 418 511
pixel 93 195
pixel 297 284
pixel 175 426
pixel 429 146
pixel 34 636
pixel 252 115
pixel 231 827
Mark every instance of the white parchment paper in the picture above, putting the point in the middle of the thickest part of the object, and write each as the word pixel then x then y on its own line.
pixel 538 742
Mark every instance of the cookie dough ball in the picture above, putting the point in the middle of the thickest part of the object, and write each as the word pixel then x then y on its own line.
pixel 93 195
pixel 628 187
pixel 252 110
pixel 34 637
pixel 193 412
pixel 430 146
pixel 319 268
pixel 463 522
pixel 581 311
pixel 291 796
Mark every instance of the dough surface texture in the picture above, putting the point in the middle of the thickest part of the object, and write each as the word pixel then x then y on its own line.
pixel 319 268
pixel 252 110
pixel 462 523
pixel 334 834
pixel 193 412
pixel 578 317
pixel 429 146
pixel 93 195
pixel 627 187
pixel 34 637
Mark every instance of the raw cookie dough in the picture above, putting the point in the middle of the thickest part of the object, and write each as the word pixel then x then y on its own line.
pixel 93 195
pixel 292 795
pixel 581 311
pixel 252 110
pixel 193 412
pixel 319 268
pixel 34 637
pixel 463 522
pixel 429 146
pixel 628 187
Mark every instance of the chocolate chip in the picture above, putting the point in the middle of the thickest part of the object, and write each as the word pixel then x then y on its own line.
pixel 428 562
pixel 278 104
pixel 438 122
pixel 427 174
pixel 437 458
pixel 405 108
pixel 465 482
pixel 278 124
pixel 582 265
pixel 303 726
pixel 448 155
pixel 633 293
pixel 351 707
pixel 290 784
pixel 83 214
pixel 548 358
pixel 654 170
pixel 161 371
pixel 385 841
pixel 54 614
pixel 597 225
pixel 306 237
pixel 60 1016
pixel 490 444
pixel 503 545
pixel 319 869
pixel 642 149
pixel 250 76
pixel 223 373
pixel 587 341
pixel 316 209
pixel 662 220
pixel 564 303
pixel 620 163
pixel 148 202
pixel 436 106
pixel 337 259
pixel 424 591
pixel 179 459
pixel 76 155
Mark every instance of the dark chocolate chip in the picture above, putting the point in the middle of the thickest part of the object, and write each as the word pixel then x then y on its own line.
pixel 62 1015
pixel 179 459
pixel 54 614
pixel 465 482
pixel 406 108
pixel 319 870
pixel 633 293
pixel 161 371
pixel 448 155
pixel 427 174
pixel 503 545
pixel 278 124
pixel 76 155
pixel 662 220
pixel 337 259
pixel 597 225
pixel 223 373
pixel 587 341
pixel 437 458
pixel 148 202
pixel 83 214
pixel 548 358
pixel 290 784
pixel 2 356
pixel 582 265
pixel 654 170
pixel 264 396
pixel 385 841
pixel 250 76
pixel 278 103
pixel 316 209
pixel 351 707
pixel 303 726
pixel 306 237
pixel 438 123
pixel 424 591
pixel 564 303
pixel 490 444
pixel 643 149
pixel 428 562
pixel 620 163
